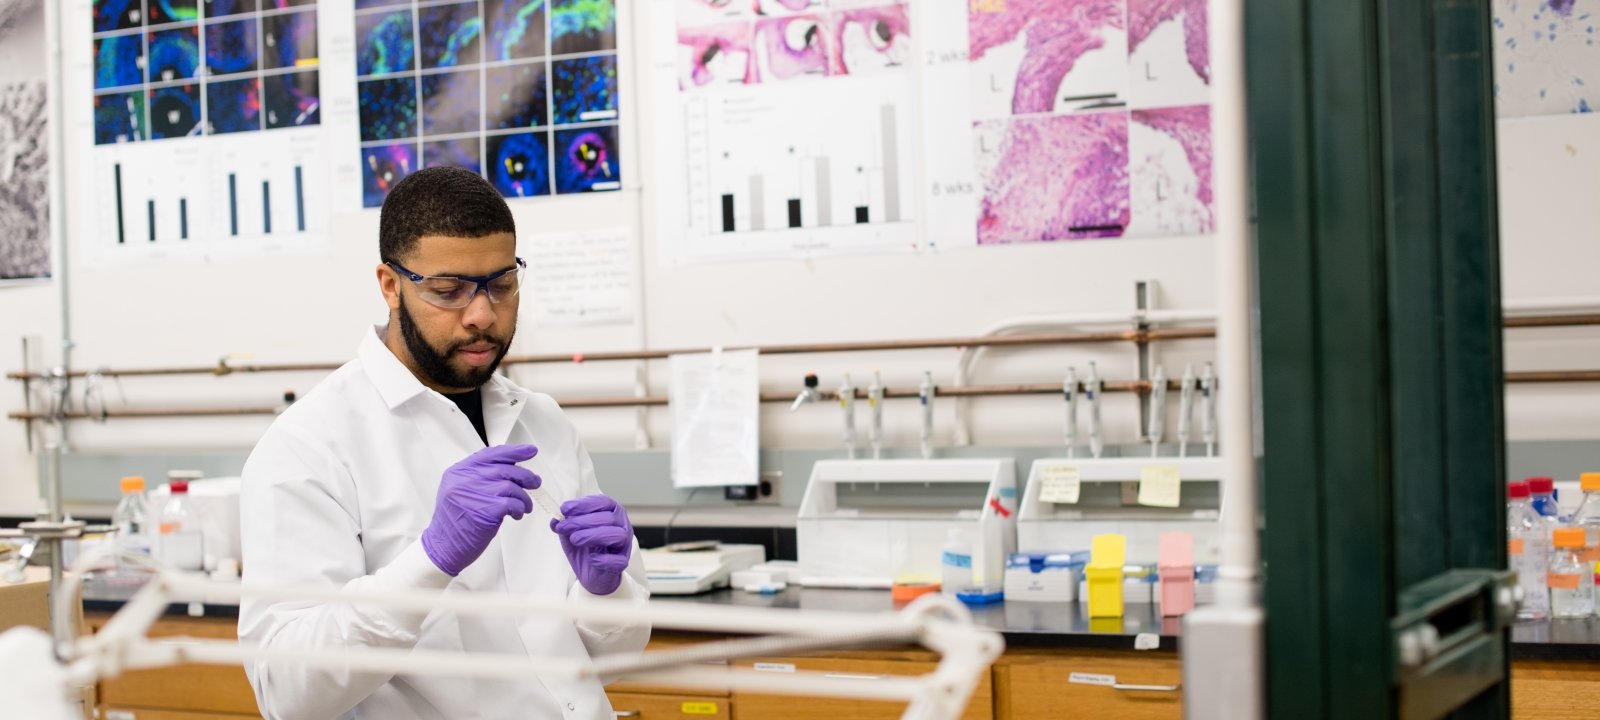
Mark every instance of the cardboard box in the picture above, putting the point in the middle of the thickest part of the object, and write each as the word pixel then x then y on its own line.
pixel 28 603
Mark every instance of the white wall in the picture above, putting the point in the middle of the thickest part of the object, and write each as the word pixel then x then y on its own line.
pixel 313 309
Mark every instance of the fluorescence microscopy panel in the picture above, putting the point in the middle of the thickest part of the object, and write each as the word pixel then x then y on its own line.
pixel 117 14
pixel 381 167
pixel 289 40
pixel 461 153
pixel 516 28
pixel 585 89
pixel 171 11
pixel 231 47
pixel 519 163
pixel 450 34
pixel 174 111
pixel 587 160
pixel 174 54
pixel 119 117
pixel 581 26
pixel 292 99
pixel 233 106
pixel 118 61
pixel 516 96
pixel 223 8
pixel 450 103
pixel 285 4
pixel 364 4
pixel 388 108
pixel 384 43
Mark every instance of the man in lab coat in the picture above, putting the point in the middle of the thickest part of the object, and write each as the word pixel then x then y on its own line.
pixel 409 468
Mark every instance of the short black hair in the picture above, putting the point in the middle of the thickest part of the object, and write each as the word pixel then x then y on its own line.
pixel 448 201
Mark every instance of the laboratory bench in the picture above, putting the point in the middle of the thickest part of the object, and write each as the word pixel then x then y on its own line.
pixel 1555 668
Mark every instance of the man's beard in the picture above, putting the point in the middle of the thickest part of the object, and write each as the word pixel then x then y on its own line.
pixel 435 365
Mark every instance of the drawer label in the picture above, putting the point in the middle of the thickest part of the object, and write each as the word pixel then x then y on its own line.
pixel 1092 679
pixel 775 667
pixel 699 708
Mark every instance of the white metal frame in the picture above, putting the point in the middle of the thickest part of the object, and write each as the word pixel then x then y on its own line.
pixel 937 623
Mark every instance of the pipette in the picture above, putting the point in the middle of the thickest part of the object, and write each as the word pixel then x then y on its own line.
pixel 875 430
pixel 1208 414
pixel 546 503
pixel 1069 388
pixel 1185 409
pixel 1092 389
pixel 847 403
pixel 925 394
pixel 1158 409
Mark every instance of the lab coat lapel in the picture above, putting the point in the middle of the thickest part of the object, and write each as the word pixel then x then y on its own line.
pixel 502 407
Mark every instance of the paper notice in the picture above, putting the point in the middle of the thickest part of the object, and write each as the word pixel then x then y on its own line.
pixel 581 278
pixel 1159 486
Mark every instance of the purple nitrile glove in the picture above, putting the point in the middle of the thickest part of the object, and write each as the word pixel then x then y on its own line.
pixel 598 540
pixel 474 496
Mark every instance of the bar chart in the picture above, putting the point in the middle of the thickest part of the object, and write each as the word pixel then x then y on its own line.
pixel 816 167
pixel 220 196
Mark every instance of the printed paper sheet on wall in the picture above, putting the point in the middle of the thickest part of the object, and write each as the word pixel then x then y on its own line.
pixel 204 125
pixel 523 92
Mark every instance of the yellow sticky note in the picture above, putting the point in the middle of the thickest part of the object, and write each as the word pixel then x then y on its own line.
pixel 699 708
pixel 1060 484
pixel 1159 486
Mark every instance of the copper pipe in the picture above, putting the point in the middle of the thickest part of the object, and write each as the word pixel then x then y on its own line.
pixel 1553 376
pixel 1140 386
pixel 1063 338
pixel 1537 321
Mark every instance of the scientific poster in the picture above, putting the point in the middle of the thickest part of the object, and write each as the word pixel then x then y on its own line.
pixel 24 143
pixel 1547 57
pixel 523 92
pixel 204 120
pixel 1086 119
pixel 790 126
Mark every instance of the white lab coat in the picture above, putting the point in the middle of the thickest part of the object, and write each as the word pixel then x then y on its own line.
pixel 338 492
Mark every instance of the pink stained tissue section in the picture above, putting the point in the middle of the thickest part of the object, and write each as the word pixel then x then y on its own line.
pixel 785 48
pixel 1055 177
pixel 793 46
pixel 1145 15
pixel 1058 33
pixel 708 45
pixel 1191 127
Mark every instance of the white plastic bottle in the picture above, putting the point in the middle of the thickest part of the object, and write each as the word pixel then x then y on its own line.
pixel 1587 517
pixel 1571 579
pixel 182 546
pixel 1529 551
pixel 955 570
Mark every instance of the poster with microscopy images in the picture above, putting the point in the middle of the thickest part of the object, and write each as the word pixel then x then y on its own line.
pixel 789 124
pixel 204 118
pixel 1085 118
pixel 25 245
pixel 523 92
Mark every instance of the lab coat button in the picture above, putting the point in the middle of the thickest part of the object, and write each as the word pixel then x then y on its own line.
pixel 570 706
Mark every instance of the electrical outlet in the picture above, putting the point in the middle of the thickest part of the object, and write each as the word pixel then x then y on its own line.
pixel 764 493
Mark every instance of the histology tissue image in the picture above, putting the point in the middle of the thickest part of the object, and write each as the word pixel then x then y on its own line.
pixel 24 173
pixel 1547 57
pixel 1053 34
pixel 1170 166
pixel 818 43
pixel 1053 177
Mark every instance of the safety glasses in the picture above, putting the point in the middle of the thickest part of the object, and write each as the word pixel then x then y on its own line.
pixel 457 291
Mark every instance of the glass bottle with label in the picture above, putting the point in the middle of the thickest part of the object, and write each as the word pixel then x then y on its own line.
pixel 1571 579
